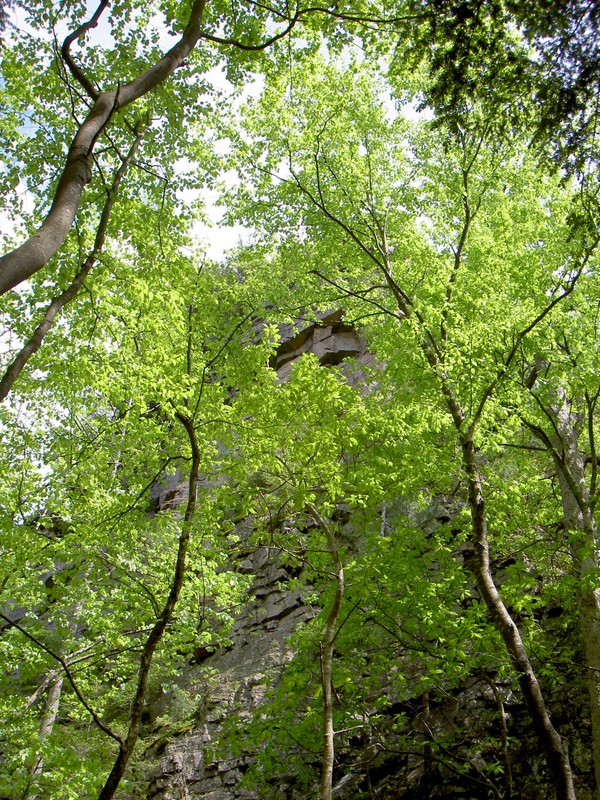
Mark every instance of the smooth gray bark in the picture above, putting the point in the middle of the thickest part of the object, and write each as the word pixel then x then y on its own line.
pixel 27 259
pixel 555 747
pixel 580 523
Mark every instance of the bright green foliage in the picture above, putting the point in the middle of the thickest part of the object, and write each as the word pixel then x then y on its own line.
pixel 86 568
pixel 89 568
pixel 467 268
pixel 460 257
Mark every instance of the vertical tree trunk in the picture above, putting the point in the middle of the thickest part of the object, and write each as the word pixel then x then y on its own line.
pixel 555 748
pixel 326 644
pixel 46 728
pixel 583 538
pixel 127 745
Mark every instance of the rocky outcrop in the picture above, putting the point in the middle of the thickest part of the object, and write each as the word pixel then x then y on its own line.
pixel 328 337
pixel 188 766
pixel 228 687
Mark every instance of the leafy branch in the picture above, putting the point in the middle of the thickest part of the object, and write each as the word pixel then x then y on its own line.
pixel 60 301
pixel 65 666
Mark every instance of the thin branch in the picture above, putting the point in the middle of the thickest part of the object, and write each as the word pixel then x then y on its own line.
pixel 119 514
pixel 254 47
pixel 361 295
pixel 517 343
pixel 504 730
pixel 69 675
pixel 529 447
pixel 560 462
pixel 446 763
pixel 292 22
pixel 319 203
pixel 551 418
pixel 65 51
pixel 158 629
pixel 458 253
pixel 215 358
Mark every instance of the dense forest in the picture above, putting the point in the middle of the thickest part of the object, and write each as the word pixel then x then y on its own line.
pixel 187 186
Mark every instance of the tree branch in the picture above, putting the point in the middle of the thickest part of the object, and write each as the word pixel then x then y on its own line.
pixel 69 675
pixel 60 301
pixel 457 255
pixel 65 50
pixel 24 261
pixel 517 343
pixel 591 403
pixel 299 13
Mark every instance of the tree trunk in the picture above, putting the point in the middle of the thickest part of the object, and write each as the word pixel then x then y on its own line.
pixel 34 343
pixel 583 537
pixel 46 728
pixel 23 262
pixel 127 746
pixel 555 748
pixel 327 643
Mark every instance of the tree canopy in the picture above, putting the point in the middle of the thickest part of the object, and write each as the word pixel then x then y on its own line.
pixel 426 169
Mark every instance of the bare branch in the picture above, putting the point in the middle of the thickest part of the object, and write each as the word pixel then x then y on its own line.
pixel 65 50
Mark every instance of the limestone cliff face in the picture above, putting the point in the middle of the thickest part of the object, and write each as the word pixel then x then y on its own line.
pixel 196 764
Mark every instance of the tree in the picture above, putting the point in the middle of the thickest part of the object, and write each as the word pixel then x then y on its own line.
pixel 473 51
pixel 100 106
pixel 310 468
pixel 98 113
pixel 98 554
pixel 564 391
pixel 342 184
pixel 424 235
